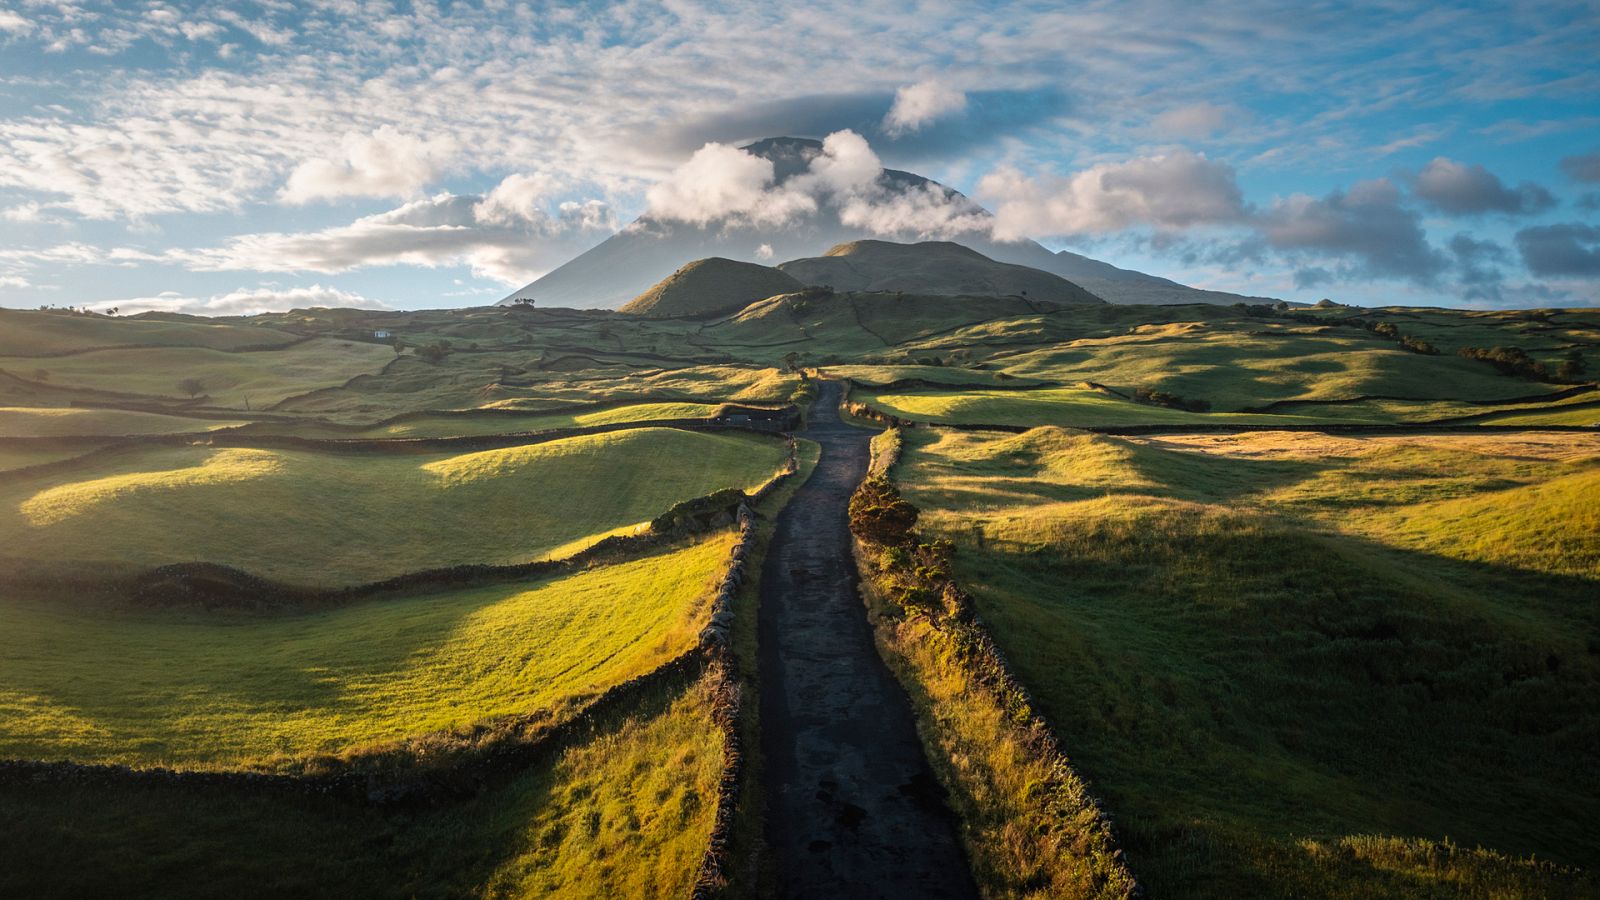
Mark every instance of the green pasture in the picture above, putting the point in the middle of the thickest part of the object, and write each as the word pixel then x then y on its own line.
pixel 29 333
pixel 1261 667
pixel 239 380
pixel 342 518
pixel 209 689
pixel 625 813
pixel 39 421
pixel 1234 367
pixel 1067 406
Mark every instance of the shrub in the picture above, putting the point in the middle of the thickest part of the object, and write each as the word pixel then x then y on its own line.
pixel 434 352
pixel 1572 366
pixel 1509 360
pixel 1418 345
pixel 879 515
pixel 1170 400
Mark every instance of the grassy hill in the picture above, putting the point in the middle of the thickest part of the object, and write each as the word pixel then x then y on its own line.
pixel 707 287
pixel 40 334
pixel 340 518
pixel 931 267
pixel 254 380
pixel 210 689
pixel 1257 664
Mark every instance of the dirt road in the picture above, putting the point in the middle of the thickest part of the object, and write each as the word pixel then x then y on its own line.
pixel 853 809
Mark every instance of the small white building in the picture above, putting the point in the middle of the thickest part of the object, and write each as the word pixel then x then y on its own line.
pixel 381 335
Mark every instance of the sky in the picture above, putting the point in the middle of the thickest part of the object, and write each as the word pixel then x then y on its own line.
pixel 232 158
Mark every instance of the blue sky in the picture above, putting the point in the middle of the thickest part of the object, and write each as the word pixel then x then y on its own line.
pixel 249 156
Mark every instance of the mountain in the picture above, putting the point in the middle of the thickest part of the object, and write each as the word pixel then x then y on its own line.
pixel 931 267
pixel 650 248
pixel 707 287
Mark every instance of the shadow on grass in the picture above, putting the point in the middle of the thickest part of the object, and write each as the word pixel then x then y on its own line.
pixel 178 840
pixel 1234 685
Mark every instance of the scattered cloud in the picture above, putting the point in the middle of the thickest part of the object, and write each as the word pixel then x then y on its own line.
pixel 722 183
pixel 384 163
pixel 247 301
pixel 1570 249
pixel 1584 167
pixel 1196 120
pixel 724 186
pixel 442 230
pixel 1466 190
pixel 1366 225
pixel 14 23
pixel 1174 190
pixel 920 104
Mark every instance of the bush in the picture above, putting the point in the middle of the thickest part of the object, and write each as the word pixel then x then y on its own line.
pixel 1417 345
pixel 1509 360
pixel 1572 366
pixel 1170 400
pixel 879 515
pixel 434 352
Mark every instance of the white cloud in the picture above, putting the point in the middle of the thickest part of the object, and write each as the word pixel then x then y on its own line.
pixel 516 198
pixel 726 186
pixel 442 230
pixel 246 301
pixel 12 23
pixel 384 163
pixel 1174 190
pixel 1197 120
pixel 764 251
pixel 921 104
pixel 721 183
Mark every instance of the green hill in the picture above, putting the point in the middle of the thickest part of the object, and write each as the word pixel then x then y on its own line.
pixel 931 267
pixel 707 287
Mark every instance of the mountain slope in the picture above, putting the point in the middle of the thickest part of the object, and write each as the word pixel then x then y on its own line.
pixel 649 249
pixel 706 287
pixel 931 267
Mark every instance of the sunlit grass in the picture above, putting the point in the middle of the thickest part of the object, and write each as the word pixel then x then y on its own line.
pixel 336 518
pixel 626 814
pixel 236 380
pixel 18 421
pixel 206 688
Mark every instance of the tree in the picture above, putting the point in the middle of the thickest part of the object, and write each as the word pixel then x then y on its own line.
pixel 522 303
pixel 434 352
pixel 1572 367
pixel 194 387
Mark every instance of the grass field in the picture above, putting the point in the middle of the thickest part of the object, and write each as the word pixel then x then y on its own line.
pixel 1240 366
pixel 36 334
pixel 62 421
pixel 1045 406
pixel 209 689
pixel 625 814
pixel 445 426
pixel 333 519
pixel 236 380
pixel 1255 662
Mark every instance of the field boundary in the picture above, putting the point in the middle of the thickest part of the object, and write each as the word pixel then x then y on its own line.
pixel 1059 796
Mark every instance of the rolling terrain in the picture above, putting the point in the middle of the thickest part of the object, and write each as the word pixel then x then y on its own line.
pixel 1203 600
